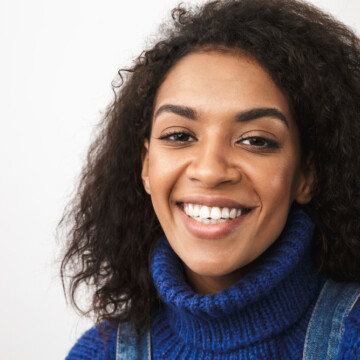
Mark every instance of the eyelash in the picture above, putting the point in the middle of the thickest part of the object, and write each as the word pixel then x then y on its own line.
pixel 167 137
pixel 269 144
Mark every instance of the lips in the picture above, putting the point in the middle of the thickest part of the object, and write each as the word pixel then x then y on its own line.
pixel 213 219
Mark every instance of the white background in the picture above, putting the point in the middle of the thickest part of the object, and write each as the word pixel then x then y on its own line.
pixel 57 61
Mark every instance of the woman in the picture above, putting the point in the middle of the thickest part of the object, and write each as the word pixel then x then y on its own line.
pixel 217 217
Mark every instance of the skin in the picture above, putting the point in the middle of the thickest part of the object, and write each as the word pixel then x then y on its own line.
pixel 200 152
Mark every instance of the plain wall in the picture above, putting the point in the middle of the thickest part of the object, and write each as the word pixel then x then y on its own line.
pixel 57 61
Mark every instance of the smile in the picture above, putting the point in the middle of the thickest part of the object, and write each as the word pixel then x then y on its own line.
pixel 212 215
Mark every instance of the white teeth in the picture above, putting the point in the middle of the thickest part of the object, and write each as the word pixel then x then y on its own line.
pixel 233 213
pixel 196 210
pixel 215 213
pixel 211 215
pixel 191 210
pixel 225 213
pixel 204 212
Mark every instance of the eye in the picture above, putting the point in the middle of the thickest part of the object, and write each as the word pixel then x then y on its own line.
pixel 259 142
pixel 178 136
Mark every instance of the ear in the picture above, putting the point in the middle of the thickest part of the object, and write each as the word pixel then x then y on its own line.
pixel 145 166
pixel 307 178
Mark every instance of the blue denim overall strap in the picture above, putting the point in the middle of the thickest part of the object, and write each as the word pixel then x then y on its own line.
pixel 130 348
pixel 327 323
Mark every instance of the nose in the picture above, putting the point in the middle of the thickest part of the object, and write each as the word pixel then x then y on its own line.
pixel 212 165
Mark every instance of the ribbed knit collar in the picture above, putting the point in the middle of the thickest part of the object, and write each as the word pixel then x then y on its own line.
pixel 269 300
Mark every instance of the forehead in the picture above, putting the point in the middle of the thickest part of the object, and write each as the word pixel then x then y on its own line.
pixel 214 82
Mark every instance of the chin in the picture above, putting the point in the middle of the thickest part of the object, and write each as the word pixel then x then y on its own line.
pixel 213 269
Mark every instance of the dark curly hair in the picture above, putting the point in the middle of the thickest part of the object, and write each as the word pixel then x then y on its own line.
pixel 313 59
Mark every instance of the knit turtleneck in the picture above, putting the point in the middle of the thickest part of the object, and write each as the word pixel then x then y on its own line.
pixel 262 316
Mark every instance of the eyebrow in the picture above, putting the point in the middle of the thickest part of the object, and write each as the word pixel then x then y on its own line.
pixel 242 116
pixel 184 111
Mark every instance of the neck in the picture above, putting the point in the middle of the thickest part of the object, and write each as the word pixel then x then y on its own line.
pixel 271 298
pixel 204 284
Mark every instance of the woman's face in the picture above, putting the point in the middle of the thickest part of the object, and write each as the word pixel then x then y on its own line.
pixel 222 165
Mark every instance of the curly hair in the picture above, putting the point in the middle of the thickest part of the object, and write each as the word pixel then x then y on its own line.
pixel 312 58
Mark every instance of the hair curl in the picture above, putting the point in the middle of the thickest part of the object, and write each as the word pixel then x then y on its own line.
pixel 312 58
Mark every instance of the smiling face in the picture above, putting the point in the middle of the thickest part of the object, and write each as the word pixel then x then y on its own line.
pixel 222 165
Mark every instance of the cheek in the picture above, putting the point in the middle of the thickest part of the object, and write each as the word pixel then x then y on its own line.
pixel 275 181
pixel 159 165
pixel 278 176
pixel 164 172
pixel 280 185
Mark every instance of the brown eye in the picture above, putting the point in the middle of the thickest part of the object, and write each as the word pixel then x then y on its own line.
pixel 255 142
pixel 259 142
pixel 178 137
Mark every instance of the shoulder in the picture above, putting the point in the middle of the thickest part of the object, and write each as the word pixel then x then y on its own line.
pixel 350 347
pixel 98 343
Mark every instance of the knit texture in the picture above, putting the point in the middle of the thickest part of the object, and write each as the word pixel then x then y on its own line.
pixel 98 343
pixel 263 316
pixel 350 347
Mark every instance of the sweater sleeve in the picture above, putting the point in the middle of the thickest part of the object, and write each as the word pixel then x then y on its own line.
pixel 350 346
pixel 98 343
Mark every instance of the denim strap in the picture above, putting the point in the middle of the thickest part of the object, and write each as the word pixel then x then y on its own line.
pixel 131 348
pixel 327 323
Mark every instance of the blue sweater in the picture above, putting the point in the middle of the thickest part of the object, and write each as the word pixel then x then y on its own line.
pixel 263 316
